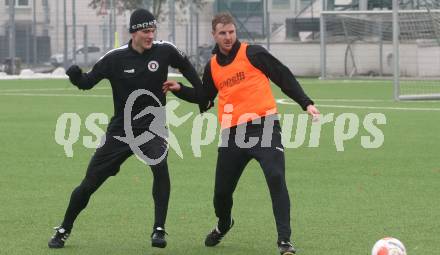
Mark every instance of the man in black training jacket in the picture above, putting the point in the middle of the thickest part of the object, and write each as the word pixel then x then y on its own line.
pixel 141 65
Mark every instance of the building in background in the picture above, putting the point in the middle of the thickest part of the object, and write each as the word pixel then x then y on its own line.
pixel 32 30
pixel 288 28
pixel 39 28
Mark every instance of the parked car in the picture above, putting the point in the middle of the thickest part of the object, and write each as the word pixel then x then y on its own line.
pixel 94 53
pixel 6 67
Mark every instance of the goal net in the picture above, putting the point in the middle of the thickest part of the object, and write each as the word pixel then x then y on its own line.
pixel 359 44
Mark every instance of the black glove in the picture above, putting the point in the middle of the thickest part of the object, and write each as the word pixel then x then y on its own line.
pixel 74 73
pixel 205 105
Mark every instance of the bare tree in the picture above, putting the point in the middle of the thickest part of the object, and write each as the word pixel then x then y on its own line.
pixel 156 5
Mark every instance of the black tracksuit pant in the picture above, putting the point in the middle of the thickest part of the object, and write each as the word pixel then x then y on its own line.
pixel 233 158
pixel 106 162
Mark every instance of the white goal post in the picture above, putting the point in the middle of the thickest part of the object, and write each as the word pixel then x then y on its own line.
pixel 402 45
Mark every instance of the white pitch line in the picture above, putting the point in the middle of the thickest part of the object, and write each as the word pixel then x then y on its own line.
pixel 285 101
pixel 61 95
pixel 378 107
pixel 352 100
pixel 52 95
pixel 47 89
pixel 280 101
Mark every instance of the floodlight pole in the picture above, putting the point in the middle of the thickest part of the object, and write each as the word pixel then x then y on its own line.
pixel 65 33
pixel 110 24
pixel 323 47
pixel 191 28
pixel 114 26
pixel 34 32
pixel 266 7
pixel 172 21
pixel 197 39
pixel 396 33
pixel 74 30
pixel 12 34
pixel 363 5
pixel 86 46
pixel 57 22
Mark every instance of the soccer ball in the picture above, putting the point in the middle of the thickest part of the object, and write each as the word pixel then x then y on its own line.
pixel 388 246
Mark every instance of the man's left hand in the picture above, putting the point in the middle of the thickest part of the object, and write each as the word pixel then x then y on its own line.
pixel 170 85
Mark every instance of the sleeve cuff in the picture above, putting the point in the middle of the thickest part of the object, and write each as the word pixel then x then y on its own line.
pixel 306 103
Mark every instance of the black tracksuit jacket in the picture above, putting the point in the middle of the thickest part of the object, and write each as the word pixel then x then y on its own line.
pixel 127 70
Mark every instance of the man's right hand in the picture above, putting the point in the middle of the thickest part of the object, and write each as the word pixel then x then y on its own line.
pixel 74 73
pixel 314 112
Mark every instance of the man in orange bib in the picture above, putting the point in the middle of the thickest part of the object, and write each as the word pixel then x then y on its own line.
pixel 239 74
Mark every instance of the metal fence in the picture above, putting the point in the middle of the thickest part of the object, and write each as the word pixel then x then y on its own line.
pixel 30 48
pixel 44 34
pixel 50 33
